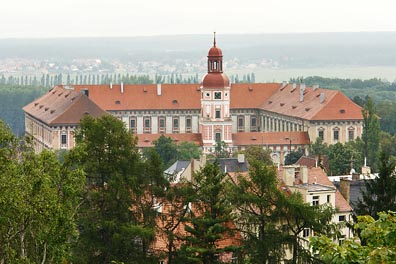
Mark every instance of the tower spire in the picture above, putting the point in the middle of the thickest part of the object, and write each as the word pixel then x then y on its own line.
pixel 214 39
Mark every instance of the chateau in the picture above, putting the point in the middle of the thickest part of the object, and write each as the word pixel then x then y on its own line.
pixel 279 116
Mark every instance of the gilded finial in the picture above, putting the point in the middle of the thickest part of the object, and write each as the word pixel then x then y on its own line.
pixel 214 39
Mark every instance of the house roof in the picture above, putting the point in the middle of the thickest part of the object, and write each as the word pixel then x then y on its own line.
pixel 270 138
pixel 173 96
pixel 315 104
pixel 144 96
pixel 61 106
pixel 318 175
pixel 273 97
pixel 178 166
pixel 146 140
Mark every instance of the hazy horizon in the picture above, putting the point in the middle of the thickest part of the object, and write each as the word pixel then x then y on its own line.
pixel 121 18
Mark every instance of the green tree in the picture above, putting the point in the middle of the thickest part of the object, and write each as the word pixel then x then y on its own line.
pixel 299 216
pixel 370 134
pixel 209 220
pixel 257 153
pixel 112 225
pixel 294 156
pixel 167 149
pixel 188 150
pixel 380 193
pixel 221 150
pixel 380 243
pixel 38 201
pixel 255 197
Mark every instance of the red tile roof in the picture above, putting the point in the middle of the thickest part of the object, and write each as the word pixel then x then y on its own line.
pixel 173 96
pixel 270 138
pixel 144 96
pixel 146 140
pixel 61 106
pixel 335 106
pixel 251 95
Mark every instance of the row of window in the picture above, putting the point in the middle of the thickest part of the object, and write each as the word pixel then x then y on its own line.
pixel 336 134
pixel 161 124
pixel 253 124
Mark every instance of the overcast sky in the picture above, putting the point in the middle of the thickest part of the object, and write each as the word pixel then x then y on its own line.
pixel 70 18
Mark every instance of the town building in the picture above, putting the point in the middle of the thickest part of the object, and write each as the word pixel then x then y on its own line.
pixel 281 117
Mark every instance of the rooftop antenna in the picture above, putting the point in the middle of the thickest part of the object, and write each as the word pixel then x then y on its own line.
pixel 214 39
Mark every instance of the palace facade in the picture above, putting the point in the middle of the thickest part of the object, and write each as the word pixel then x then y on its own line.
pixel 278 116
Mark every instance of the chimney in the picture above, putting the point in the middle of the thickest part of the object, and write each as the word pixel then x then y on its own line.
pixel 321 97
pixel 345 187
pixel 301 95
pixel 159 92
pixel 315 86
pixel 289 176
pixel 304 174
pixel 241 158
pixel 111 85
pixel 122 87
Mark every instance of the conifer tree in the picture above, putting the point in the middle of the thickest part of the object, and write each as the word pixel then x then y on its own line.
pixel 380 193
pixel 209 221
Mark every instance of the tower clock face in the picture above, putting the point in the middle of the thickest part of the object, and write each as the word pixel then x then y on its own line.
pixel 217 95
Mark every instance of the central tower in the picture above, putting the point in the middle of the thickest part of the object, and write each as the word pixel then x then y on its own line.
pixel 215 123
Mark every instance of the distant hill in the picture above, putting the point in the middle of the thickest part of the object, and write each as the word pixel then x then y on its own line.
pixel 289 50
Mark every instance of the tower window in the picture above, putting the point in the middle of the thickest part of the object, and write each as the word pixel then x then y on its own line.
pixel 217 114
pixel 217 95
pixel 218 136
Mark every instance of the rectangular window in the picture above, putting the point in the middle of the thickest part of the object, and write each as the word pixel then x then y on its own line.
pixel 132 126
pixel 341 218
pixel 253 124
pixel 64 139
pixel 162 124
pixel 306 232
pixel 188 124
pixel 341 240
pixel 315 200
pixel 217 114
pixel 328 198
pixel 147 125
pixel 241 124
pixel 175 125
pixel 336 134
pixel 351 135
pixel 218 136
pixel 321 134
